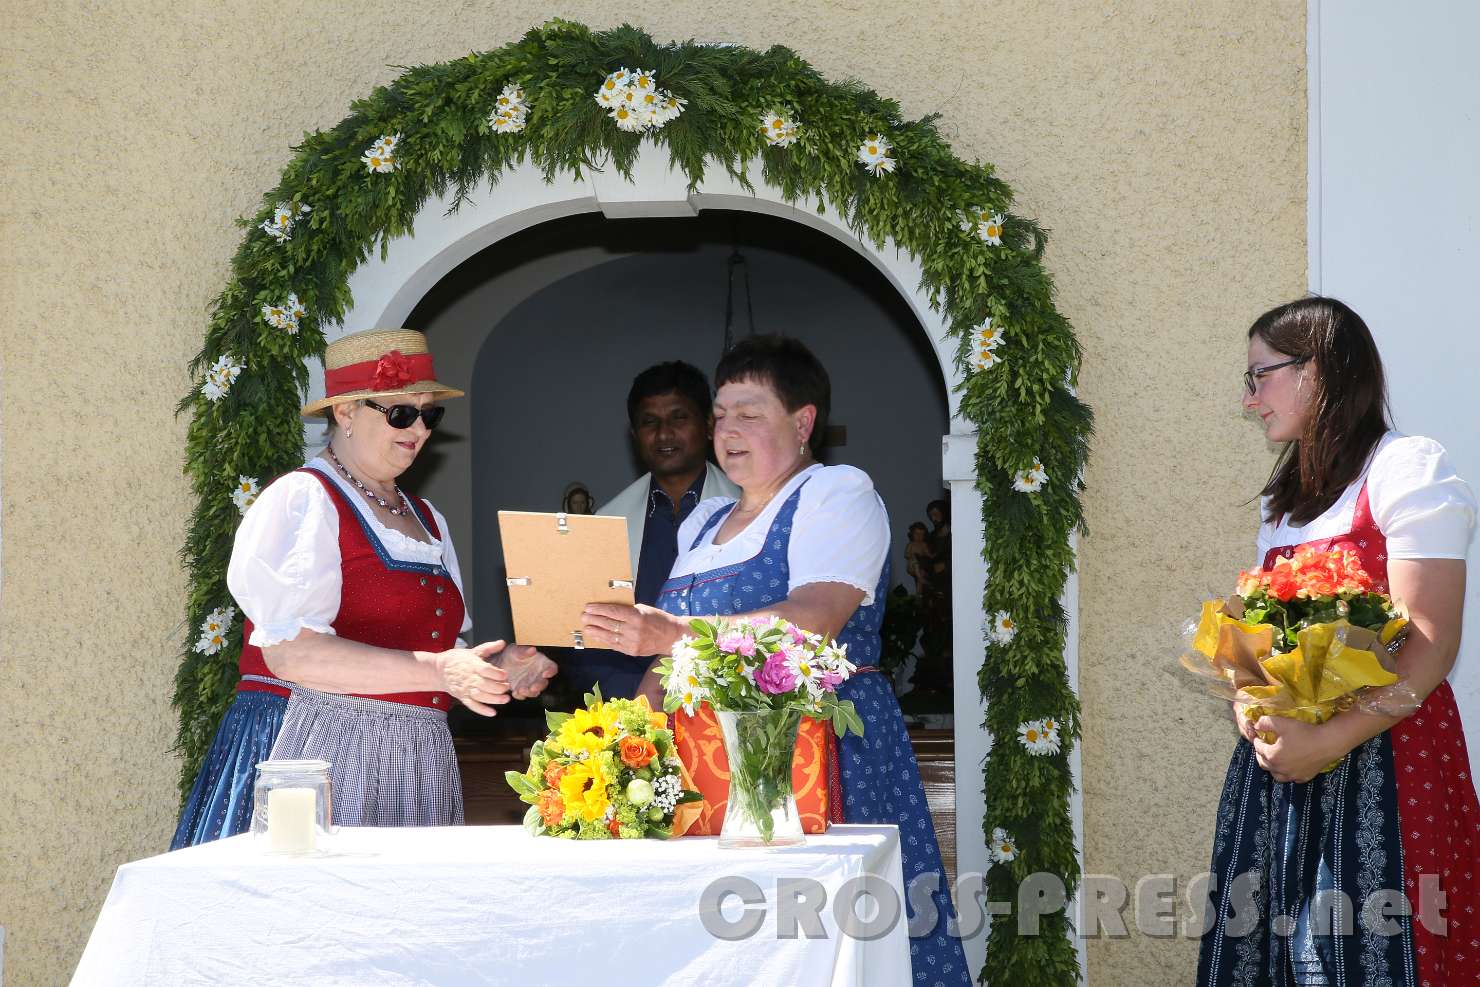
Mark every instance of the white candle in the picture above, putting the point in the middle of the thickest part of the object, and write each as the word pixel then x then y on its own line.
pixel 290 820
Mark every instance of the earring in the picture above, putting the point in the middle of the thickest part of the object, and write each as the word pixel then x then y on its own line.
pixel 348 431
pixel 802 450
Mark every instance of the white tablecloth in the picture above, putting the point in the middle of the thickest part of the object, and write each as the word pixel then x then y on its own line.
pixel 485 905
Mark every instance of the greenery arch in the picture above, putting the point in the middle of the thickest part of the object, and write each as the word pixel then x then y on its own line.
pixel 447 128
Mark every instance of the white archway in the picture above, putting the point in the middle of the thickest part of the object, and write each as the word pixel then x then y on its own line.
pixel 386 288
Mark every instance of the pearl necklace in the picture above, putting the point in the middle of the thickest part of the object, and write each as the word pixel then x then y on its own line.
pixel 405 507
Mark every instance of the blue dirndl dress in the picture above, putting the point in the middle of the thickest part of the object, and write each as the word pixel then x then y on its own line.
pixel 881 781
pixel 220 802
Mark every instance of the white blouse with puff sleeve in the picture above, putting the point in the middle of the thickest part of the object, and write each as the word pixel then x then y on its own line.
pixel 840 533
pixel 1419 503
pixel 285 568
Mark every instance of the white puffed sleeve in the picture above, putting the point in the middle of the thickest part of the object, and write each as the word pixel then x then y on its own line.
pixel 840 533
pixel 449 562
pixel 1423 508
pixel 284 569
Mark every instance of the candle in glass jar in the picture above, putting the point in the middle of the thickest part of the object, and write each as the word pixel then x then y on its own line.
pixel 290 820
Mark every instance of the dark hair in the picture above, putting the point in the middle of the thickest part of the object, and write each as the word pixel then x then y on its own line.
pixel 673 377
pixel 917 526
pixel 1348 411
pixel 944 506
pixel 789 369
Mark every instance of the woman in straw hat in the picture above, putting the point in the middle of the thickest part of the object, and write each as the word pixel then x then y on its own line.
pixel 354 613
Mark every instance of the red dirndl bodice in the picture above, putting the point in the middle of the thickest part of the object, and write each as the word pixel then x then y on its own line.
pixel 405 606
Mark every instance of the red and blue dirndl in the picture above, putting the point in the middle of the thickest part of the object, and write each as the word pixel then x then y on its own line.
pixel 1398 815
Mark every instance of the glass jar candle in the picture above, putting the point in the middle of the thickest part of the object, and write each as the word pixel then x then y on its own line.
pixel 292 807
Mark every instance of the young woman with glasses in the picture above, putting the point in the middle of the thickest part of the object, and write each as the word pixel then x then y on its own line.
pixel 353 645
pixel 1316 871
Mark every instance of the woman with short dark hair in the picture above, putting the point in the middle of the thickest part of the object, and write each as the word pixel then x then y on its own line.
pixel 1398 815
pixel 809 543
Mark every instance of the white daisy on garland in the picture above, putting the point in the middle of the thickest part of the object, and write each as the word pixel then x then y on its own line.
pixel 1004 628
pixel 1003 848
pixel 985 340
pixel 380 157
pixel 873 154
pixel 635 102
pixel 987 225
pixel 284 217
pixel 780 129
pixel 220 377
pixel 510 111
pixel 285 316
pixel 1040 737
pixel 213 630
pixel 244 494
pixel 1030 480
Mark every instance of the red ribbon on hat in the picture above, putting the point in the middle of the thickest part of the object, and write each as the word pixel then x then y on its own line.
pixel 392 371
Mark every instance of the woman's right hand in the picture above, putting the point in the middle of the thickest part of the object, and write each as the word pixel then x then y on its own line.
pixel 472 680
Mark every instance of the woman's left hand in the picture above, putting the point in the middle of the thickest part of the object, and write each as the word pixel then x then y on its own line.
pixel 1298 751
pixel 640 631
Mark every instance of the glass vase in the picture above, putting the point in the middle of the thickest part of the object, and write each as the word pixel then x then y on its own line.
pixel 762 809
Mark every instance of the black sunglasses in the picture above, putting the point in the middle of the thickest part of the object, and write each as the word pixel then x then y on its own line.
pixel 405 415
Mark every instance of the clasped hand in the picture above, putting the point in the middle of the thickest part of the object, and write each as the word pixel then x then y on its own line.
pixel 494 672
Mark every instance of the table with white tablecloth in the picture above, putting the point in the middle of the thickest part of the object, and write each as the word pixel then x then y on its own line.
pixel 495 905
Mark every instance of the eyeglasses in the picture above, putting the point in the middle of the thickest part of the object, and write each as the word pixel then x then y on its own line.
pixel 1253 377
pixel 405 415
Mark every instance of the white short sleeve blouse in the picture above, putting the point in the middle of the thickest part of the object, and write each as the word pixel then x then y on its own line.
pixel 1423 508
pixel 839 534
pixel 285 567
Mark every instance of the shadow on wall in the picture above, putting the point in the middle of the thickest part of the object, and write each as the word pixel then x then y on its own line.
pixel 556 322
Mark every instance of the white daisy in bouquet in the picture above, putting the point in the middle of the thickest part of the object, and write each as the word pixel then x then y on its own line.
pixel 760 663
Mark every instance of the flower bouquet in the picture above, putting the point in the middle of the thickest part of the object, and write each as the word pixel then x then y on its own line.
pixel 608 771
pixel 1307 638
pixel 761 676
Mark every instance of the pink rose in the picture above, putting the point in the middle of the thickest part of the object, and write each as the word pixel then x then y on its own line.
pixel 773 678
pixel 730 643
pixel 830 681
pixel 747 647
pixel 796 635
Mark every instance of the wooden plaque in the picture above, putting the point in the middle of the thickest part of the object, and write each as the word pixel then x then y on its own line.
pixel 555 565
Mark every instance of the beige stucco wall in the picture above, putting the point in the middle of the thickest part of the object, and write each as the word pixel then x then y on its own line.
pixel 1164 146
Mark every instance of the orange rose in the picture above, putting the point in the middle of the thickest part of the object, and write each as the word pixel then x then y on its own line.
pixel 637 751
pixel 1282 584
pixel 552 807
pixel 554 771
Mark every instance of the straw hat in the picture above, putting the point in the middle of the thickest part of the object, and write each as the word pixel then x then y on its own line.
pixel 378 363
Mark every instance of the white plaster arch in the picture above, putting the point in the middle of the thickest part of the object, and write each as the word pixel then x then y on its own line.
pixel 386 288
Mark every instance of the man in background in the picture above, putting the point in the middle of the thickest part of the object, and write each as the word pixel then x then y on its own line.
pixel 670 414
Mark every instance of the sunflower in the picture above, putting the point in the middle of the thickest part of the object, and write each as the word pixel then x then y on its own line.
pixel 590 730
pixel 583 789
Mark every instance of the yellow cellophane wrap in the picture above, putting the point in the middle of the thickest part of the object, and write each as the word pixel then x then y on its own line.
pixel 1312 682
pixel 702 750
